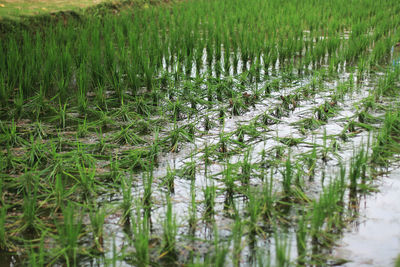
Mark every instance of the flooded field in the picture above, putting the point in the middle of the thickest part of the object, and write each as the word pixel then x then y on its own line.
pixel 178 135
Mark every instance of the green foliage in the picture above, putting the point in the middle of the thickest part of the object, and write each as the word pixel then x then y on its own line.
pixel 92 108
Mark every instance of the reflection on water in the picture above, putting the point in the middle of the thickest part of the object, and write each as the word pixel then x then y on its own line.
pixel 9 260
pixel 375 239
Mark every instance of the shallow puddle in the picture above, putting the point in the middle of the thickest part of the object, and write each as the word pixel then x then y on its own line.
pixel 374 239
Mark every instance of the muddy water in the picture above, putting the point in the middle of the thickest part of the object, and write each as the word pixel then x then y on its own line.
pixel 374 240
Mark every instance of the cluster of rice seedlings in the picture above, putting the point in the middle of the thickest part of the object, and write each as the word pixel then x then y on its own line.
pixel 141 238
pixel 386 142
pixel 169 252
pixel 84 72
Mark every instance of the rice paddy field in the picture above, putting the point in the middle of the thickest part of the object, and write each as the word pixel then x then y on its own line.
pixel 197 133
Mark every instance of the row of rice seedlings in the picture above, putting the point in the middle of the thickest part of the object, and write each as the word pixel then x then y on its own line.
pixel 358 171
pixel 352 184
pixel 257 207
pixel 328 109
pixel 161 33
pixel 125 136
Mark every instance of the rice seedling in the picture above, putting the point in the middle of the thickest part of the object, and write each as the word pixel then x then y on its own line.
pixel 229 179
pixel 169 179
pixel 237 234
pixel 282 250
pixel 192 209
pixel 237 104
pixel 287 177
pixel 4 243
pixel 10 136
pixel 126 205
pixel 30 209
pixel 177 136
pixel 220 250
pixel 35 155
pixel 60 116
pixel 127 136
pixel 246 168
pixel 141 238
pixel 209 201
pixel 97 219
pixel 301 240
pixel 38 257
pixel 86 179
pixel 147 194
pixel 385 144
pixel 169 253
pixel 254 210
pixel 69 231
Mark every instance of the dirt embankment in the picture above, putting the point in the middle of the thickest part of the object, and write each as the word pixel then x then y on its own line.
pixel 76 13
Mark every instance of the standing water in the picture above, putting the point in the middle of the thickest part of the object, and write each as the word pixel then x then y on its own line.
pixel 375 239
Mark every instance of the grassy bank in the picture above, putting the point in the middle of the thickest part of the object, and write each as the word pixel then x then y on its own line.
pixel 16 9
